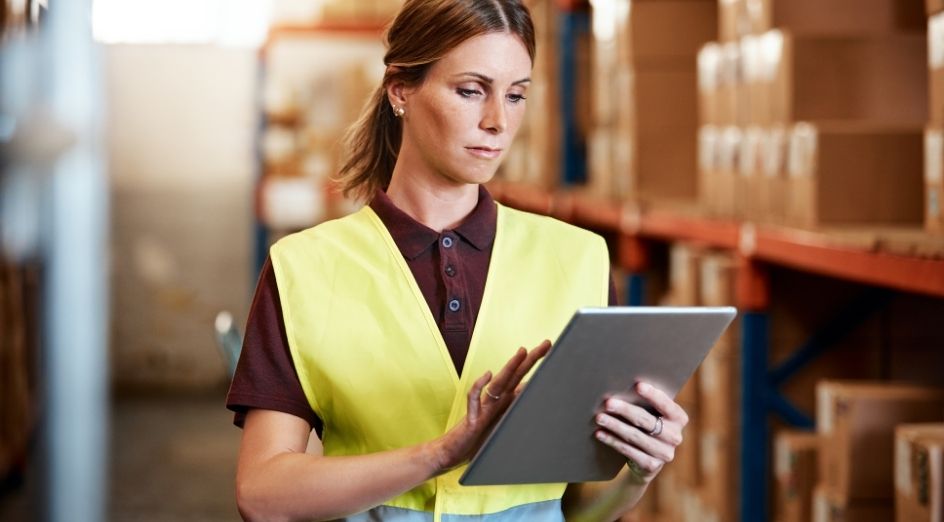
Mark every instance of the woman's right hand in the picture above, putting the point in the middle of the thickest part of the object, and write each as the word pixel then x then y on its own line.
pixel 487 401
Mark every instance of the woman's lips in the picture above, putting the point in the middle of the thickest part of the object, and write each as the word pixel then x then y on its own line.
pixel 484 152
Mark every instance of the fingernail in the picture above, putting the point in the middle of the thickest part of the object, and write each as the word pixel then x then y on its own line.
pixel 643 387
pixel 600 435
pixel 601 419
pixel 610 405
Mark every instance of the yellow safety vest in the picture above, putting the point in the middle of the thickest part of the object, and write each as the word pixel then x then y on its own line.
pixel 373 363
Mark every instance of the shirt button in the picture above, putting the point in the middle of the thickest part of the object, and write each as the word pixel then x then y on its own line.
pixel 454 305
pixel 450 271
pixel 447 242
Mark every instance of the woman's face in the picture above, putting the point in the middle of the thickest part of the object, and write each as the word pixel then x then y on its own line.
pixel 461 120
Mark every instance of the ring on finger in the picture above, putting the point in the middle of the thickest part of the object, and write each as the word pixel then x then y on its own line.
pixel 657 429
pixel 490 396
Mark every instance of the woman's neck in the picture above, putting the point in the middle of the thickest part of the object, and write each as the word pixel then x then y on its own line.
pixel 434 201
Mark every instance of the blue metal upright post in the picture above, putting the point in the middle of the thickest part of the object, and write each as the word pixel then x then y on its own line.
pixel 635 289
pixel 572 26
pixel 754 430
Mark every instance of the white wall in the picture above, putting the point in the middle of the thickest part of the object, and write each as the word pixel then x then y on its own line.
pixel 182 128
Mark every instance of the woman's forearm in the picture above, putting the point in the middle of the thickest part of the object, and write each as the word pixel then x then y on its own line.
pixel 596 501
pixel 299 486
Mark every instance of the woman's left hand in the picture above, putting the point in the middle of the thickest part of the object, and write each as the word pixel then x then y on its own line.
pixel 647 441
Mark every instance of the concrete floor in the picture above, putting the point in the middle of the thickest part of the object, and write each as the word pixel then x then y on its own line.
pixel 172 459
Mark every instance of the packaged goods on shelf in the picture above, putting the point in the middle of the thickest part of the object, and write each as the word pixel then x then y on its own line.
pixel 771 188
pixel 748 179
pixel 291 203
pixel 688 455
pixel 726 174
pixel 840 174
pixel 837 17
pixel 708 138
pixel 733 20
pixel 828 507
pixel 542 121
pixel 610 58
pixel 709 61
pixel 719 394
pixel 718 464
pixel 933 179
pixel 795 454
pixel 856 421
pixel 798 78
pixel 919 473
pixel 936 68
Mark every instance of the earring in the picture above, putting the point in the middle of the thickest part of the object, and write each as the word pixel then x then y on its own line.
pixel 398 111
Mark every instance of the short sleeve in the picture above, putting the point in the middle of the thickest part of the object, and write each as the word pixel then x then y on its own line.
pixel 265 375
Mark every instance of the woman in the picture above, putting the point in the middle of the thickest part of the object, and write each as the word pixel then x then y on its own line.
pixel 381 330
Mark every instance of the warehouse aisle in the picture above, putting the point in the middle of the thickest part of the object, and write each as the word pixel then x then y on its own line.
pixel 173 459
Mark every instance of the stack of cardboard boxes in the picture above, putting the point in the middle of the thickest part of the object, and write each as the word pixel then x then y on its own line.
pixel 933 138
pixel 811 111
pixel 856 423
pixel 535 158
pixel 701 484
pixel 643 139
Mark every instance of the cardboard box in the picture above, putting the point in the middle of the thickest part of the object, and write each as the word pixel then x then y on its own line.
pixel 936 69
pixel 733 20
pixel 719 379
pixel 795 454
pixel 710 58
pixel 666 96
pixel 671 30
pixel 830 508
pixel 610 56
pixel 933 179
pixel 708 143
pixel 665 164
pixel 719 458
pixel 746 204
pixel 772 186
pixel 684 274
pixel 843 174
pixel 857 422
pixel 864 79
pixel 734 99
pixel 919 473
pixel 728 150
pixel 600 161
pixel 837 17
pixel 934 6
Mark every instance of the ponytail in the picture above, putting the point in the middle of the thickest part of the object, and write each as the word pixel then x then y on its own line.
pixel 372 145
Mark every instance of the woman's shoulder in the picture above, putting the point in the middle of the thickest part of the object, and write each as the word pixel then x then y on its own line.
pixel 548 226
pixel 321 236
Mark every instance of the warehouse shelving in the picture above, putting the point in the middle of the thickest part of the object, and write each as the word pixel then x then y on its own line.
pixel 825 253
pixel 832 254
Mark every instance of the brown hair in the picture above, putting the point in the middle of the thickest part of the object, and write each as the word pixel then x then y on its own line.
pixel 422 33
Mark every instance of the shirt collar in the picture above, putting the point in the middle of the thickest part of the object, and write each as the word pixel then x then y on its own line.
pixel 413 237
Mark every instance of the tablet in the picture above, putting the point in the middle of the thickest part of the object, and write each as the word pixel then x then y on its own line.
pixel 547 434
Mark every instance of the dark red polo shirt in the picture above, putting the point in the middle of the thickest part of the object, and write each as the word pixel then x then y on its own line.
pixel 449 267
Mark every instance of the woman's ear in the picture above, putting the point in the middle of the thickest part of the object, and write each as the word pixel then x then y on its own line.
pixel 397 93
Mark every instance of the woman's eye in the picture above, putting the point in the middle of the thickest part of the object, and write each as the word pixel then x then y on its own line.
pixel 516 98
pixel 468 93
